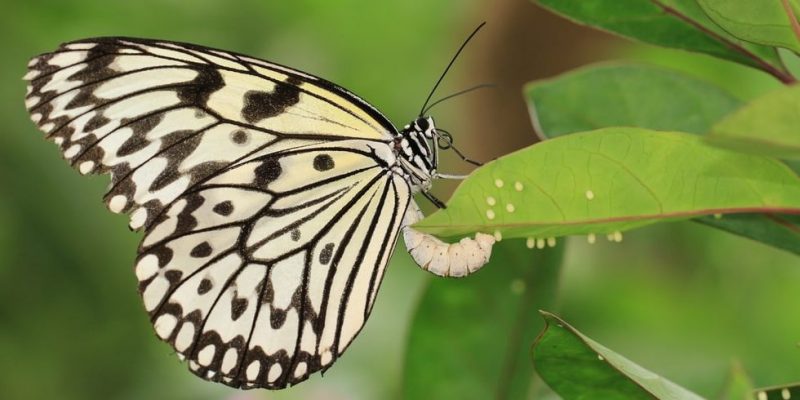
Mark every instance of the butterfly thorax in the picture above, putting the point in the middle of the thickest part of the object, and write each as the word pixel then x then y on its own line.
pixel 417 151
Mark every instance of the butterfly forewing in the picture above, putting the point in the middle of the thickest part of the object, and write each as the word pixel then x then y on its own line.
pixel 267 196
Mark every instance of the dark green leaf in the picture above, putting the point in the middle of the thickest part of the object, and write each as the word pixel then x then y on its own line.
pixel 579 368
pixel 680 24
pixel 762 22
pixel 470 336
pixel 778 230
pixel 643 96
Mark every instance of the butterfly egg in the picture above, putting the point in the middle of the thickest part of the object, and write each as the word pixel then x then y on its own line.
pixel 530 243
pixel 762 395
pixel 617 236
pixel 591 238
pixel 498 182
pixel 551 242
pixel 785 394
pixel 540 243
pixel 490 214
pixel 518 286
pixel 599 357
pixel 491 201
pixel 510 207
pixel 589 195
pixel 717 216
pixel 518 186
pixel 498 236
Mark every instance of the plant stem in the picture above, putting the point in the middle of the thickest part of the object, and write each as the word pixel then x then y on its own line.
pixel 792 18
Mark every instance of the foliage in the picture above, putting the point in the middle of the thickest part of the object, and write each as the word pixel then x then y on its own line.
pixel 631 145
pixel 74 328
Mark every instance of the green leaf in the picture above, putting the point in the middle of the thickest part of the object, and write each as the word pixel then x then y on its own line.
pixel 777 230
pixel 762 22
pixel 767 125
pixel 608 95
pixel 577 367
pixel 680 24
pixel 605 95
pixel 783 392
pixel 738 386
pixel 469 337
pixel 611 180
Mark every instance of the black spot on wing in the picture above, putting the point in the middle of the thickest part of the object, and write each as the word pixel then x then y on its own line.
pixel 326 253
pixel 259 105
pixel 201 250
pixel 140 126
pixel 240 137
pixel 224 208
pixel 208 81
pixel 267 172
pixel 204 287
pixel 323 162
pixel 277 318
pixel 238 307
pixel 96 122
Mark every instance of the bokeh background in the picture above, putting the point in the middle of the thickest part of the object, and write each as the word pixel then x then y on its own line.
pixel 680 299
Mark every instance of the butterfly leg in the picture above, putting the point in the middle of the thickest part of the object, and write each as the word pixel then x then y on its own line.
pixel 449 176
pixel 438 203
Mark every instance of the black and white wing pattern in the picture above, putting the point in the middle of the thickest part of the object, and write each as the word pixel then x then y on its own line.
pixel 269 198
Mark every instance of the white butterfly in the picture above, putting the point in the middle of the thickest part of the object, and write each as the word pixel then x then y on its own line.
pixel 270 199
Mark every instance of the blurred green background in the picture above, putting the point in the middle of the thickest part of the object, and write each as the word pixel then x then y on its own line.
pixel 680 299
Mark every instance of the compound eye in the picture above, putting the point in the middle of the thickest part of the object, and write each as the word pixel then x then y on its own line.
pixel 422 124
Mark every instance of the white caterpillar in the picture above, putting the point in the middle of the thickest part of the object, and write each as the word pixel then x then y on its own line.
pixel 445 259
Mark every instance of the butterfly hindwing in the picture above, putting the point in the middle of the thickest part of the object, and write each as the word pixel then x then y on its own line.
pixel 267 196
pixel 264 282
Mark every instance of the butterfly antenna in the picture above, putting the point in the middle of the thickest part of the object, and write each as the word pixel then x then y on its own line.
pixel 448 144
pixel 422 110
pixel 459 93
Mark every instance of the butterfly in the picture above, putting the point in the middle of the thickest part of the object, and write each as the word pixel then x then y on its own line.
pixel 270 199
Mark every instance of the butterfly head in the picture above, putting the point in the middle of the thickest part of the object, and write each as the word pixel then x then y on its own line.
pixel 425 127
pixel 416 147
